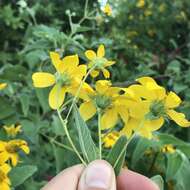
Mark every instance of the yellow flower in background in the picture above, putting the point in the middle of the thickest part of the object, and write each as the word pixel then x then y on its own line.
pixel 110 139
pixel 12 130
pixel 169 148
pixel 106 99
pixel 162 7
pixel 66 79
pixel 4 179
pixel 107 9
pixel 151 32
pixel 140 3
pixel 9 150
pixel 3 85
pixel 99 61
pixel 153 105
pixel 147 13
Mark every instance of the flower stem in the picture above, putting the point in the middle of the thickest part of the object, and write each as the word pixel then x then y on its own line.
pixel 78 91
pixel 127 143
pixel 99 134
pixel 64 123
pixel 52 140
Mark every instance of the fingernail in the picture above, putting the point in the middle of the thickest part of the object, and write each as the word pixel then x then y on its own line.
pixel 98 176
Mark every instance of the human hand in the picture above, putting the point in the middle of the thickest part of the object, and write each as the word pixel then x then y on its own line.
pixel 99 175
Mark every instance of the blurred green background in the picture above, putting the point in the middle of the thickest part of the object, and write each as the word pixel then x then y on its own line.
pixel 147 37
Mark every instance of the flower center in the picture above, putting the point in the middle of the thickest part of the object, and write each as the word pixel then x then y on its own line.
pixel 157 110
pixel 12 148
pixel 2 176
pixel 102 101
pixel 99 62
pixel 63 79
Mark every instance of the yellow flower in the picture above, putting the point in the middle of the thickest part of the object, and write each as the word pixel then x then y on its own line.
pixel 107 9
pixel 151 32
pixel 3 85
pixel 99 61
pixel 12 130
pixel 9 150
pixel 132 34
pixel 110 139
pixel 148 13
pixel 108 101
pixel 140 3
pixel 4 180
pixel 169 148
pixel 162 7
pixel 153 105
pixel 66 79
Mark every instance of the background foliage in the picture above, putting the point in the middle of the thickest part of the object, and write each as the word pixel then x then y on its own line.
pixel 153 39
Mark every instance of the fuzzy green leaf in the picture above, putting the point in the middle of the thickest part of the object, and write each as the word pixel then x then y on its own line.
pixel 115 157
pixel 87 144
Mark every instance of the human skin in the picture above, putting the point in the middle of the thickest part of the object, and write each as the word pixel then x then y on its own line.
pixel 99 175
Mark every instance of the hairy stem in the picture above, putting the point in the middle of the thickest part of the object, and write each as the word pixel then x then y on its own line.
pixel 99 134
pixel 64 123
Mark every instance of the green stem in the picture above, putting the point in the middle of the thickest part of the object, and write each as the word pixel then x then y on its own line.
pixel 64 123
pixel 127 143
pixel 78 91
pixel 99 134
pixel 52 140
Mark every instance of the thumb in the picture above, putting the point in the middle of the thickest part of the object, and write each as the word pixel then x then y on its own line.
pixel 98 175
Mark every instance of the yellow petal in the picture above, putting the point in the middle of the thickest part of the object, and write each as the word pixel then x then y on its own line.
pixel 80 71
pixel 101 51
pixel 155 124
pixel 172 100
pixel 56 96
pixel 109 119
pixel 87 110
pixel 25 148
pixel 142 92
pixel 3 157
pixel 130 126
pixel 146 80
pixel 90 54
pixel 55 58
pixel 151 85
pixel 94 73
pixel 102 85
pixel 109 63
pixel 68 64
pixel 111 91
pixel 2 85
pixel 41 79
pixel 4 186
pixel 14 159
pixel 5 168
pixel 179 118
pixel 106 73
pixel 123 112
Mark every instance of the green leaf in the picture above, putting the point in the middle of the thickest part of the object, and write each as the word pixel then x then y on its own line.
pixel 87 144
pixel 115 154
pixel 25 102
pixel 6 108
pixel 159 181
pixel 42 95
pixel 20 174
pixel 182 175
pixel 142 145
pixel 174 162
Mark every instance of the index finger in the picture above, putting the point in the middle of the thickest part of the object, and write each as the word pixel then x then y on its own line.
pixel 129 180
pixel 67 179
